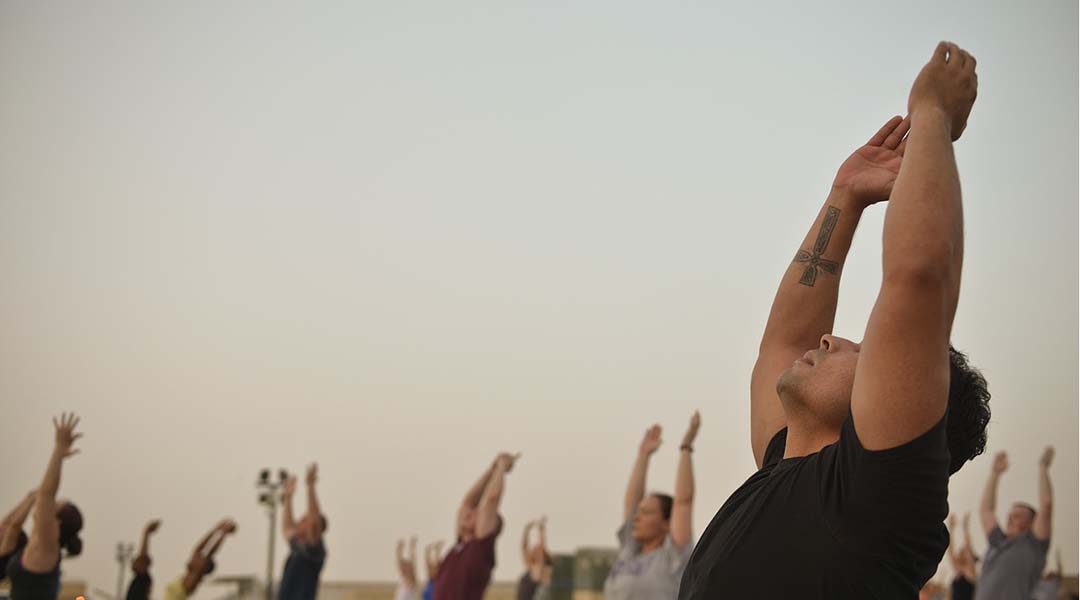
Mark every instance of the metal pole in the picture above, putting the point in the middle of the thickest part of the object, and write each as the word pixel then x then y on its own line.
pixel 123 553
pixel 120 574
pixel 270 556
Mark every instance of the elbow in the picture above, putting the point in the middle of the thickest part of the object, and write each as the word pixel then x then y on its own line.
pixel 918 275
pixel 490 502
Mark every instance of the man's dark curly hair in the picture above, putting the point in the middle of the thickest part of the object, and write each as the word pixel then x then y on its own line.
pixel 969 411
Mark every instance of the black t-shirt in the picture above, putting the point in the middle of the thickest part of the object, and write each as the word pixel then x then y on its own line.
pixel 139 589
pixel 527 586
pixel 26 585
pixel 844 522
pixel 300 580
pixel 962 589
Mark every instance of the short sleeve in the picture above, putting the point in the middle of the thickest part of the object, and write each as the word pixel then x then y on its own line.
pixel 628 546
pixel 894 501
pixel 139 588
pixel 996 538
pixel 676 557
pixel 485 548
pixel 774 452
pixel 1041 546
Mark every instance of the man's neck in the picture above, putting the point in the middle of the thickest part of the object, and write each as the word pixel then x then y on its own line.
pixel 806 439
pixel 651 545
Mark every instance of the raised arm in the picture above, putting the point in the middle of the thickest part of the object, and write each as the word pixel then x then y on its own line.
pixel 1041 527
pixel 525 543
pixel 473 496
pixel 805 303
pixel 314 511
pixel 141 563
pixel 902 378
pixel 541 530
pixel 487 515
pixel 407 566
pixel 204 553
pixel 635 488
pixel 988 505
pixel 429 561
pixel 226 528
pixel 43 548
pixel 13 523
pixel 288 521
pixel 683 506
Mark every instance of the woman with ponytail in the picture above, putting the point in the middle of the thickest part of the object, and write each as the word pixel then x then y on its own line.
pixel 35 570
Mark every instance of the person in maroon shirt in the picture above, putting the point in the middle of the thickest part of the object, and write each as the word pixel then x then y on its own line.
pixel 466 570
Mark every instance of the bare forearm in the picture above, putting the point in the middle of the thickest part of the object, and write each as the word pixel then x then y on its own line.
pixel 989 504
pixel 805 304
pixel 494 490
pixel 14 525
pixel 923 233
pixel 288 521
pixel 476 492
pixel 635 488
pixel 217 543
pixel 1046 493
pixel 50 482
pixel 144 545
pixel 684 479
pixel 23 508
pixel 313 508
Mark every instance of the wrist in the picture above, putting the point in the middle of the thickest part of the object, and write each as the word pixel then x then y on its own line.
pixel 686 447
pixel 842 197
pixel 930 114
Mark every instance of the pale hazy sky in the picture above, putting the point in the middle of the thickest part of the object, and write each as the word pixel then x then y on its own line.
pixel 398 237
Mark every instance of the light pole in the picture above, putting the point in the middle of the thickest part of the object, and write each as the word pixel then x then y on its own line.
pixel 123 555
pixel 269 497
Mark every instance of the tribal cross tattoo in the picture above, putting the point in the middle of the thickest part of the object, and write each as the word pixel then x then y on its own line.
pixel 814 261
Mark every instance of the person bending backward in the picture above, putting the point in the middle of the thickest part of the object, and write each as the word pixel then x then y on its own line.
pixel 963 562
pixel 654 540
pixel 139 588
pixel 35 569
pixel 1016 556
pixel 854 442
pixel 407 588
pixel 432 560
pixel 466 569
pixel 12 536
pixel 307 553
pixel 537 577
pixel 201 562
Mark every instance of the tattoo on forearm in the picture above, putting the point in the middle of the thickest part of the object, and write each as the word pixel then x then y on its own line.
pixel 813 260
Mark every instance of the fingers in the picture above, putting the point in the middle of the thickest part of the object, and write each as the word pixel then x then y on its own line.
pixel 955 58
pixel 886 129
pixel 941 52
pixel 897 134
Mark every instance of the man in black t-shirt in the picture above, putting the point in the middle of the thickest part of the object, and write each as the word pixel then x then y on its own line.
pixel 855 443
pixel 307 553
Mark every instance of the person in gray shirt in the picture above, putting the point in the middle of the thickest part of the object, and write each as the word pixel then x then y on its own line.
pixel 654 540
pixel 1016 556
